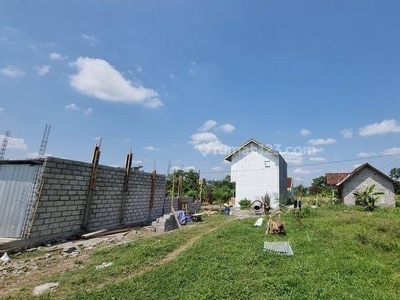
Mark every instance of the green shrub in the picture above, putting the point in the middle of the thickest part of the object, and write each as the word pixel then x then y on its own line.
pixel 397 203
pixel 245 203
pixel 305 212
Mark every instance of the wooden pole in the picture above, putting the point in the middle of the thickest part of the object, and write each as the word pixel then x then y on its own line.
pixel 173 190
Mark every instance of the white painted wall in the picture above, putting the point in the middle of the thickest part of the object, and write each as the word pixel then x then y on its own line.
pixel 256 172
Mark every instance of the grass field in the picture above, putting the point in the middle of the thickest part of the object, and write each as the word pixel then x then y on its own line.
pixel 339 253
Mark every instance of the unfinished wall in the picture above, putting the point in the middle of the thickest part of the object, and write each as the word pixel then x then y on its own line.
pixel 60 210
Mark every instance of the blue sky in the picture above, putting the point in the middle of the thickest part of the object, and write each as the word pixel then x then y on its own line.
pixel 186 81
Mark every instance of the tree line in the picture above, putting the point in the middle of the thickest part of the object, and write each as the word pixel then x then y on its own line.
pixel 220 191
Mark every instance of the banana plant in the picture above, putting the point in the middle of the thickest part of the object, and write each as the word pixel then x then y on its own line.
pixel 368 197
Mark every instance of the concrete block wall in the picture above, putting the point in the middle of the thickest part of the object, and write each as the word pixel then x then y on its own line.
pixel 60 210
pixel 193 206
pixel 107 198
pixel 164 224
pixel 139 193
pixel 62 202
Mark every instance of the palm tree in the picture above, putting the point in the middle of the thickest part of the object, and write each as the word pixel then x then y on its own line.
pixel 367 197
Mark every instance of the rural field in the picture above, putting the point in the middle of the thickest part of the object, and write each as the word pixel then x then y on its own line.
pixel 339 253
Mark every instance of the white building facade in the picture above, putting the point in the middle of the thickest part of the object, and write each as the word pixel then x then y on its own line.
pixel 258 171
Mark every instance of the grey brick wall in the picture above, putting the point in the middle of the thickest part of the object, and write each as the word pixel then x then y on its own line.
pixel 61 207
pixel 367 177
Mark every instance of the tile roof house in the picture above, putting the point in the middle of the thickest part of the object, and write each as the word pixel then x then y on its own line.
pixel 358 180
pixel 258 171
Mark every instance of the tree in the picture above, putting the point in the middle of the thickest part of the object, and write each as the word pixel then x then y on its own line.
pixel 300 191
pixel 318 186
pixel 222 190
pixel 367 197
pixel 137 168
pixel 190 183
pixel 395 175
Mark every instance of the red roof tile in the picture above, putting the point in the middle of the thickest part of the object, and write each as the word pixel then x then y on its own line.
pixel 335 178
pixel 289 182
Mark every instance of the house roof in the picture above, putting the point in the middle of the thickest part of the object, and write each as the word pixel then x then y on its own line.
pixel 229 157
pixel 335 178
pixel 289 182
pixel 356 170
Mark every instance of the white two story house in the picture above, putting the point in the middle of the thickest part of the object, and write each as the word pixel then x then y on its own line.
pixel 258 171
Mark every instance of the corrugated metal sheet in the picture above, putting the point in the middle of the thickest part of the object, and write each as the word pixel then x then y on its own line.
pixel 278 247
pixel 16 183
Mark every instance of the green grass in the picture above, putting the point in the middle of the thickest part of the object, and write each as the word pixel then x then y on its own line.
pixel 339 253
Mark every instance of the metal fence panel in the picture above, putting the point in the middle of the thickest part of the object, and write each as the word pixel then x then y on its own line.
pixel 16 183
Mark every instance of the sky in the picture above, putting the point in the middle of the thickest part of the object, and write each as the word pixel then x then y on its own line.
pixel 183 83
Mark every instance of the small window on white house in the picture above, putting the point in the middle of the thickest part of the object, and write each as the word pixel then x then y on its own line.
pixel 267 163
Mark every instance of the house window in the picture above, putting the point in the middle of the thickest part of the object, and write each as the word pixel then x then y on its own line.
pixel 267 163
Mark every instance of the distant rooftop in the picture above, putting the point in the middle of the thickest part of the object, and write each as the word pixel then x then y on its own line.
pixel 334 178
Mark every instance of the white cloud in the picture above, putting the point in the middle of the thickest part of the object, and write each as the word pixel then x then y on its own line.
pixel 218 169
pixel 36 155
pixel 298 179
pixel 193 68
pixel 313 150
pixel 88 111
pixel 137 162
pixel 90 38
pixel 74 107
pixel 301 171
pixel 386 126
pixel 43 70
pixel 127 141
pixel 15 143
pixel 293 158
pixel 391 151
pixel 388 151
pixel 317 159
pixel 366 154
pixel 151 148
pixel 71 106
pixel 56 56
pixel 227 128
pixel 305 132
pixel 208 143
pixel 172 77
pixel 139 69
pixel 317 142
pixel 1 109
pixel 97 78
pixel 347 133
pixel 12 29
pixel 186 169
pixel 209 124
pixel 13 72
